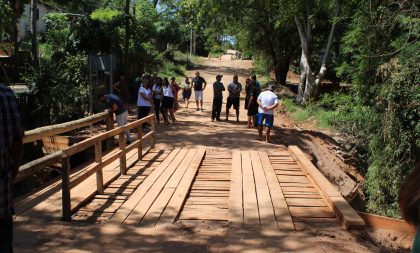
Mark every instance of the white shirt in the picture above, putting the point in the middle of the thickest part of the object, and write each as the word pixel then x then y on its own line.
pixel 268 99
pixel 157 89
pixel 167 91
pixel 140 100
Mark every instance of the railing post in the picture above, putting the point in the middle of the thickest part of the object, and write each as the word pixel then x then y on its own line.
pixel 123 159
pixel 140 137
pixel 109 127
pixel 99 174
pixel 65 188
pixel 154 132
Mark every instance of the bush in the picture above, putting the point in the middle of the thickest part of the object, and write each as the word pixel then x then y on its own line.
pixel 59 90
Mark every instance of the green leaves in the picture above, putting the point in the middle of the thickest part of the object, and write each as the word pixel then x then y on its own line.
pixel 105 14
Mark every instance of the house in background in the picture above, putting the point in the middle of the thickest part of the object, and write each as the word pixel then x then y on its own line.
pixel 24 23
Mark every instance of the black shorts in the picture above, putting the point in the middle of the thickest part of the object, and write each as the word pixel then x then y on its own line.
pixel 234 102
pixel 168 103
pixel 253 109
pixel 186 94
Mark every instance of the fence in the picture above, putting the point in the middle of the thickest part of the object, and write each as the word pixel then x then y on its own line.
pixel 100 163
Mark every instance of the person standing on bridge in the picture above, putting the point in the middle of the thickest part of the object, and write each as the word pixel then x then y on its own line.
pixel 186 91
pixel 169 93
pixel 121 114
pixel 267 101
pixel 254 92
pixel 218 89
pixel 234 89
pixel 199 85
pixel 157 95
pixel 11 134
pixel 144 101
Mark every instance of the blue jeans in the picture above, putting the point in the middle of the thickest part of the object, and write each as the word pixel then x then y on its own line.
pixel 6 235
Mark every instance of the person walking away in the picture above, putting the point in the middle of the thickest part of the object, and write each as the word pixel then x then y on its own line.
pixel 254 92
pixel 256 83
pixel 11 135
pixel 234 89
pixel 121 89
pixel 117 106
pixel 177 89
pixel 168 101
pixel 144 102
pixel 157 95
pixel 409 202
pixel 218 89
pixel 199 85
pixel 186 91
pixel 267 101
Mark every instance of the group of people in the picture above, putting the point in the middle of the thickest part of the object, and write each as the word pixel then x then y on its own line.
pixel 259 105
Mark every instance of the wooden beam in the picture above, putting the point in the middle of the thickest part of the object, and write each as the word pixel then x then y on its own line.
pixel 37 165
pixel 283 217
pixel 348 216
pixel 173 209
pixel 236 211
pixel 39 133
pixel 135 198
pixel 265 206
pixel 376 221
pixel 251 214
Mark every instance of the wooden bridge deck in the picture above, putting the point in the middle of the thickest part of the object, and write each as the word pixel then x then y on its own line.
pixel 245 189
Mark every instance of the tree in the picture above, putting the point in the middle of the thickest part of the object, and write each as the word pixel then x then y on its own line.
pixel 34 33
pixel 309 82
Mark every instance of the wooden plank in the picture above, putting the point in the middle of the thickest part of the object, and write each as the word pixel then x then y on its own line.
pixel 251 215
pixel 299 189
pixel 135 198
pixel 284 220
pixel 311 212
pixel 41 132
pixel 213 216
pixel 152 194
pixel 305 202
pixel 376 221
pixel 162 200
pixel 348 216
pixel 265 206
pixel 178 199
pixel 303 196
pixel 292 179
pixel 290 173
pixel 236 212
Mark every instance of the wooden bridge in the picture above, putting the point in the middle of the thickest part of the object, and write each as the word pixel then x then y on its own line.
pixel 146 186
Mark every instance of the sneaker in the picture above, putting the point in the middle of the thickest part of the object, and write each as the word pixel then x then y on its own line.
pixel 202 109
pixel 197 110
pixel 212 120
pixel 127 142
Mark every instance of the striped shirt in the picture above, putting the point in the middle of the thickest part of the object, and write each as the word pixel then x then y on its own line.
pixel 10 128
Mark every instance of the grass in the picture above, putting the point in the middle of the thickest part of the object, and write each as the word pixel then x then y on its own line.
pixel 324 117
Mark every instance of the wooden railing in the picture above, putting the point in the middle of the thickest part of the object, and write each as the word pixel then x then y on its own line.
pixel 99 162
pixel 47 131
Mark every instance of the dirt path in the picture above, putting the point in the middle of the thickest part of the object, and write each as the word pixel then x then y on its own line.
pixel 194 129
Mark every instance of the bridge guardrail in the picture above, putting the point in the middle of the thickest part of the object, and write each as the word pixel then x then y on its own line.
pixel 99 162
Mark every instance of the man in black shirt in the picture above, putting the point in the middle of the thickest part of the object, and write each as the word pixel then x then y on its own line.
pixel 199 86
pixel 218 89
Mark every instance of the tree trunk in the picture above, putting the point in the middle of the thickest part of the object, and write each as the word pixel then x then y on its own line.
pixel 308 80
pixel 34 41
pixel 127 37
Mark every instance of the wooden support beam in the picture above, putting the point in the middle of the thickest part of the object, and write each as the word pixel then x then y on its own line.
pixel 65 189
pixel 123 165
pixel 99 174
pixel 348 216
pixel 39 133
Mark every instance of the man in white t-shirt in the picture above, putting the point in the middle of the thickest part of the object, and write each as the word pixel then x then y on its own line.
pixel 267 101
